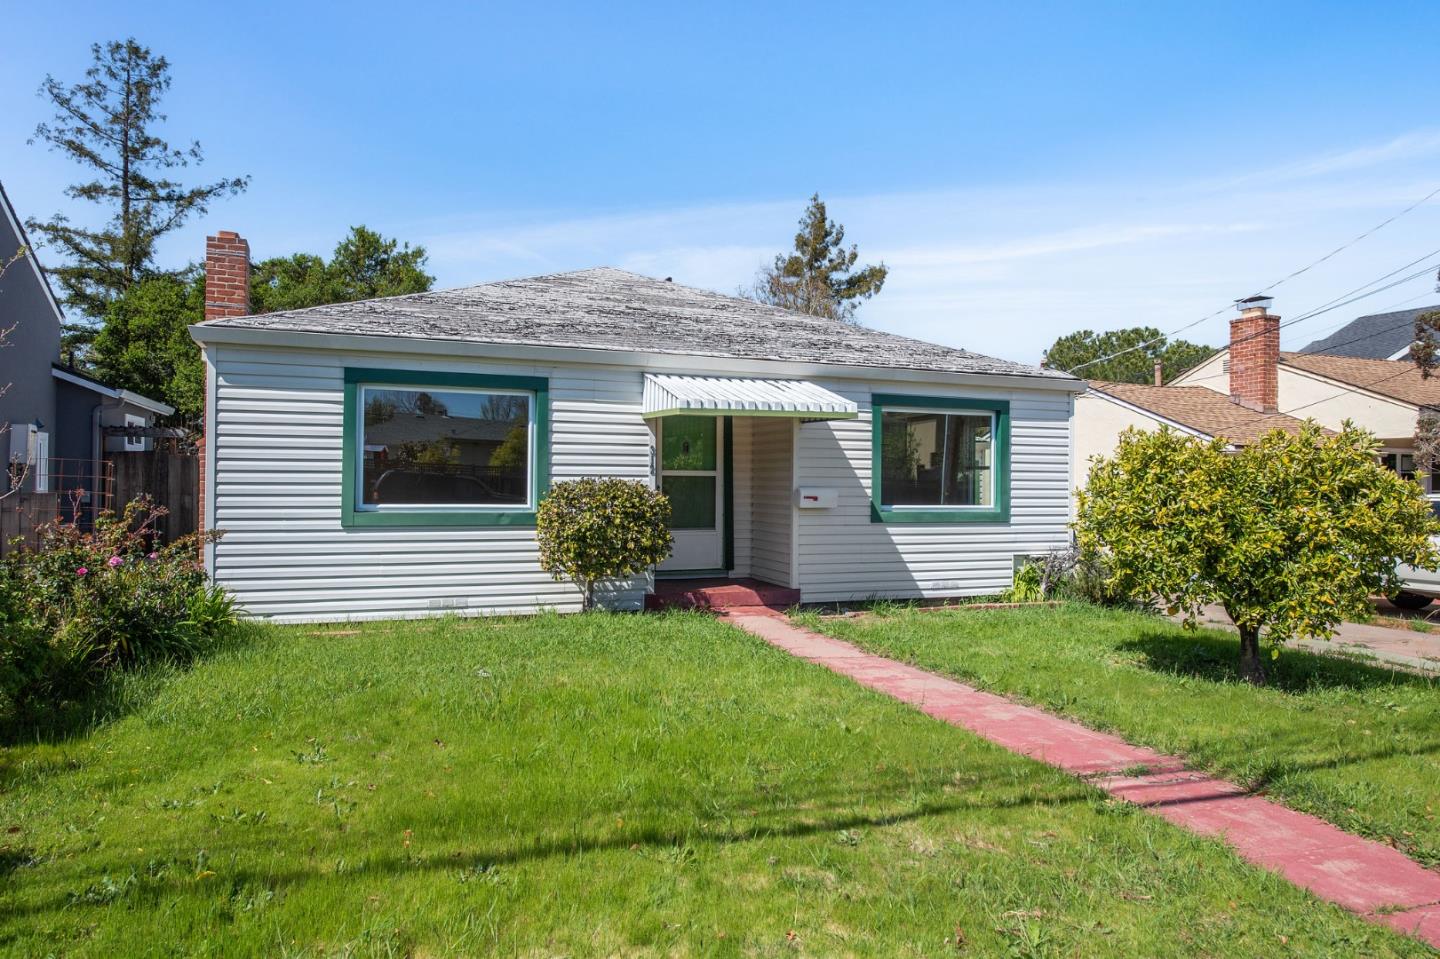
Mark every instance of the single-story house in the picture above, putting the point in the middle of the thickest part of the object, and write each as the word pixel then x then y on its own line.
pixel 59 422
pixel 1384 396
pixel 384 458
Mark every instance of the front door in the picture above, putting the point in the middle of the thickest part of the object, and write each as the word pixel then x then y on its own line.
pixel 691 466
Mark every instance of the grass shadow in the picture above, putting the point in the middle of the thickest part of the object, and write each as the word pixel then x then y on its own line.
pixel 75 712
pixel 1214 656
pixel 479 858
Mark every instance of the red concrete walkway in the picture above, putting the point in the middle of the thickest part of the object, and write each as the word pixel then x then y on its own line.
pixel 1379 883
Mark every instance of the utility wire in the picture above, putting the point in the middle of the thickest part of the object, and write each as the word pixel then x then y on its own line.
pixel 1345 299
pixel 1304 269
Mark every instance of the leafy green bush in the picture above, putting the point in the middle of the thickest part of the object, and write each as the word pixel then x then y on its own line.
pixel 596 529
pixel 84 603
pixel 1291 535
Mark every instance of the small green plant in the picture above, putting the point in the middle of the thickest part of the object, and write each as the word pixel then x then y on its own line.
pixel 1027 586
pixel 598 529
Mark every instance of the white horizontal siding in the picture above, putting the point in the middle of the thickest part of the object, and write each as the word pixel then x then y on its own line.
pixel 741 471
pixel 277 445
pixel 771 500
pixel 843 555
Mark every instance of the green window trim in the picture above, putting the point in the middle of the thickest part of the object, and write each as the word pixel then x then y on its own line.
pixel 477 516
pixel 999 513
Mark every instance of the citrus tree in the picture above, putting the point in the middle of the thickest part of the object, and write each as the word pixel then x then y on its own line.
pixel 1291 535
pixel 597 529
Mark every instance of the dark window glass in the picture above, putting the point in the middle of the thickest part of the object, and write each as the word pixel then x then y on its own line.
pixel 937 459
pixel 444 448
pixel 692 501
pixel 688 443
pixel 1402 463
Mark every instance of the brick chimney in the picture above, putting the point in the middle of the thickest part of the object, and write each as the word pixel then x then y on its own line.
pixel 1159 373
pixel 227 275
pixel 1255 355
pixel 227 293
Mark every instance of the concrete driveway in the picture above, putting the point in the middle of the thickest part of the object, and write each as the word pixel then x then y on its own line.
pixel 1399 645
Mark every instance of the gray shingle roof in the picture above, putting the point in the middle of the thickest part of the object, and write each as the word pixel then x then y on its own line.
pixel 609 309
pixel 1378 336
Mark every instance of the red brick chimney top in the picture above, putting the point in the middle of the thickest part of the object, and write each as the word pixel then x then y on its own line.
pixel 1255 355
pixel 227 275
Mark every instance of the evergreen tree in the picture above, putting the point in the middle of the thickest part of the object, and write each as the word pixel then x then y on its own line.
pixel 819 278
pixel 107 125
pixel 144 343
pixel 365 265
pixel 1135 366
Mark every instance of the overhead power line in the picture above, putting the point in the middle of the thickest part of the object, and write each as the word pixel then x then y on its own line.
pixel 1304 269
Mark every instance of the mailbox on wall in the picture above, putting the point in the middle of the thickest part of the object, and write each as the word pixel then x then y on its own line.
pixel 813 497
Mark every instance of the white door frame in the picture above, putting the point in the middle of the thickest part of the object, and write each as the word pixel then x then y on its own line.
pixel 695 550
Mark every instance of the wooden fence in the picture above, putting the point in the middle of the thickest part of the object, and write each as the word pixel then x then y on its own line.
pixel 171 478
pixel 71 494
pixel 168 476
pixel 21 513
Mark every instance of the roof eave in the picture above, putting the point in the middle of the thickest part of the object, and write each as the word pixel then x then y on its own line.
pixel 210 334
pixel 115 393
pixel 1347 387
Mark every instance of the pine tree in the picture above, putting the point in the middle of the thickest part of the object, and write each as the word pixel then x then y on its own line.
pixel 819 278
pixel 107 125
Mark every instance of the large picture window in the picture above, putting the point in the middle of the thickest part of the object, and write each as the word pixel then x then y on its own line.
pixel 939 460
pixel 443 448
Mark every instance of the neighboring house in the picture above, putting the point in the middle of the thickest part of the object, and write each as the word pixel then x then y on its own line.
pixel 56 416
pixel 836 461
pixel 1237 405
pixel 1106 410
pixel 1379 336
pixel 1383 396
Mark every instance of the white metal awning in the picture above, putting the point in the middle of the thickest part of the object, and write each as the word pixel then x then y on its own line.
pixel 667 395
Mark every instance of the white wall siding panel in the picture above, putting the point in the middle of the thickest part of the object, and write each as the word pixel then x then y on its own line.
pixel 843 556
pixel 772 500
pixel 742 465
pixel 278 443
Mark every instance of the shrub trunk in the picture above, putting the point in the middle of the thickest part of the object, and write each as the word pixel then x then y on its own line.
pixel 1252 667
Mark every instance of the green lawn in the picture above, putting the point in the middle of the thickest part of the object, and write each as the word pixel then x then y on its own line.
pixel 1356 744
pixel 593 785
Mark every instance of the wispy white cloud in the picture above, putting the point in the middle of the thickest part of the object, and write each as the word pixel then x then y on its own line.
pixel 1416 145
pixel 1005 270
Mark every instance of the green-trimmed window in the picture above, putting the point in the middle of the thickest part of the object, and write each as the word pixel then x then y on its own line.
pixel 452 449
pixel 940 460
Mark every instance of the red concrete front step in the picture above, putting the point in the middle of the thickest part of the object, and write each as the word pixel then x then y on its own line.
pixel 719 594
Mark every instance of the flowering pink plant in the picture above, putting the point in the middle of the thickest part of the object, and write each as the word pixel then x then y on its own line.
pixel 81 571
pixel 114 561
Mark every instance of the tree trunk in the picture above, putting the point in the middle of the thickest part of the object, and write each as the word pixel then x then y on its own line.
pixel 1252 667
pixel 589 602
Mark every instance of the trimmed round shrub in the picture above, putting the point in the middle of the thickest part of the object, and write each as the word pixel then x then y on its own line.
pixel 598 529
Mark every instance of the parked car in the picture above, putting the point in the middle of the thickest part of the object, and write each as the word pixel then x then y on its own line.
pixel 1422 586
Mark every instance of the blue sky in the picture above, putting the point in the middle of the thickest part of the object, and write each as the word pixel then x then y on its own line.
pixel 1024 169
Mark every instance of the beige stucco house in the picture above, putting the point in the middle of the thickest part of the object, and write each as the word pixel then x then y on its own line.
pixel 1251 386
